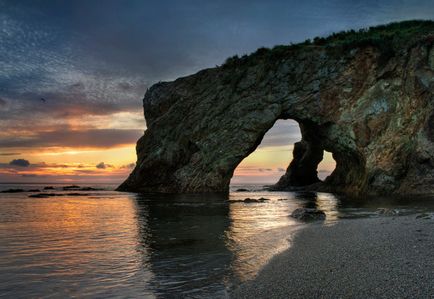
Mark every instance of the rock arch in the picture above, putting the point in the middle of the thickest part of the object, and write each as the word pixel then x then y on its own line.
pixel 371 110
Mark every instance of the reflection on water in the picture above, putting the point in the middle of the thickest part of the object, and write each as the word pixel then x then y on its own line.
pixel 109 244
pixel 185 241
pixel 70 246
pixel 258 231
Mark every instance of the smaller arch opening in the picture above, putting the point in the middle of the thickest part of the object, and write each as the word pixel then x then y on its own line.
pixel 268 164
pixel 326 166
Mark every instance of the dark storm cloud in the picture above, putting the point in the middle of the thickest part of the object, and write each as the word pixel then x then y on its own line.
pixel 90 57
pixel 103 138
pixel 158 40
pixel 20 163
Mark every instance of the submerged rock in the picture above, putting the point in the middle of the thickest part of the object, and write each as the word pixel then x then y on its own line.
pixel 425 216
pixel 366 97
pixel 388 212
pixel 308 214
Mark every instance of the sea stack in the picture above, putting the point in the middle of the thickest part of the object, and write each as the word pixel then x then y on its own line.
pixel 365 96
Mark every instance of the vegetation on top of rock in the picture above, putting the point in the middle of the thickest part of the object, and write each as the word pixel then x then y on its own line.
pixel 397 33
pixel 387 38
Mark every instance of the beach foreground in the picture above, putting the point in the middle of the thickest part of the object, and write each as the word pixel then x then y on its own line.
pixel 386 257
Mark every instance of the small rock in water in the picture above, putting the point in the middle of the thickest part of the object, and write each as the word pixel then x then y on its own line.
pixel 72 187
pixel 34 190
pixel 12 191
pixel 251 200
pixel 49 188
pixel 241 190
pixel 308 214
pixel 44 195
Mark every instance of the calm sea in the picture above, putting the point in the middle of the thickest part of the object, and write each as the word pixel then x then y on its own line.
pixel 104 244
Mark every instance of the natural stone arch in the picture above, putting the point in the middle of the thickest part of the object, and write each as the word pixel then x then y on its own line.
pixel 368 107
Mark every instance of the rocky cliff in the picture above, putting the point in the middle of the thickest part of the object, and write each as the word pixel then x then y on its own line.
pixel 365 96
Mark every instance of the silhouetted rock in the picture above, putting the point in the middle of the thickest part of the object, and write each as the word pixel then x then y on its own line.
pixel 34 190
pixel 366 97
pixel 308 214
pixel 13 191
pixel 252 200
pixel 49 188
pixel 44 195
pixel 242 190
pixel 72 187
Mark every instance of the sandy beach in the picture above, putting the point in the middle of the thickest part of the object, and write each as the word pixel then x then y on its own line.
pixel 386 257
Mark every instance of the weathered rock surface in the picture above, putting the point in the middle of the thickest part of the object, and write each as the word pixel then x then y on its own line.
pixel 366 97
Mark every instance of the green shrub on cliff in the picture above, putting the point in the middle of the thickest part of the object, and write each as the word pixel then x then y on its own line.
pixel 387 38
pixel 393 35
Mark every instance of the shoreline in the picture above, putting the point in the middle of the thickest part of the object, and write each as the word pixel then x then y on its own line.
pixel 381 257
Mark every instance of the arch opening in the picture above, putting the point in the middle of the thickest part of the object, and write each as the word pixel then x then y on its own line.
pixel 326 166
pixel 282 144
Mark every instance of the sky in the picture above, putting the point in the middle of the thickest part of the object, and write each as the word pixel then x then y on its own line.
pixel 73 73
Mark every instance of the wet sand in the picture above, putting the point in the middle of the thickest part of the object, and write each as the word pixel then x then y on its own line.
pixel 386 257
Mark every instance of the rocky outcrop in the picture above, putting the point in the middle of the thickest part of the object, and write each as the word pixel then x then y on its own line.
pixel 366 97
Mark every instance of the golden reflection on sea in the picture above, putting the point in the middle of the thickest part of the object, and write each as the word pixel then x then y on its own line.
pixel 258 231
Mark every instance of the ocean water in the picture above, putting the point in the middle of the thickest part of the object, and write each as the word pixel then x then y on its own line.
pixel 107 244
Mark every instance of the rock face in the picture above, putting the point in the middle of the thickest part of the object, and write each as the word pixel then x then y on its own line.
pixel 366 97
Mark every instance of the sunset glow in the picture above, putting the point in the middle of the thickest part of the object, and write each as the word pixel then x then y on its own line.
pixel 70 97
pixel 270 160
